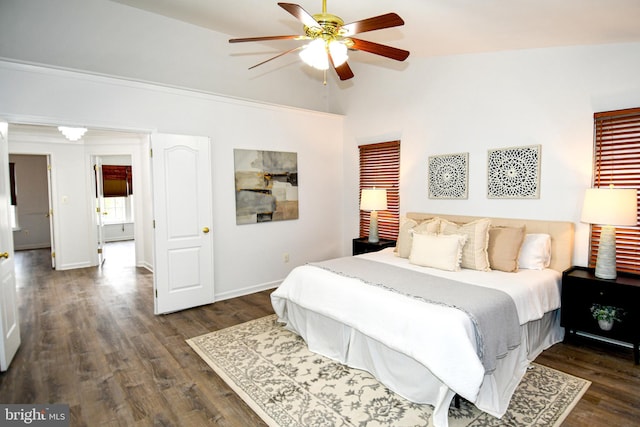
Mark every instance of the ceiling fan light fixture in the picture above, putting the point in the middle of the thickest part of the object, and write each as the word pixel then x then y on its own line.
pixel 315 54
pixel 338 52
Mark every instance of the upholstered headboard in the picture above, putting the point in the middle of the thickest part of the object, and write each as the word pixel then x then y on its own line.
pixel 561 233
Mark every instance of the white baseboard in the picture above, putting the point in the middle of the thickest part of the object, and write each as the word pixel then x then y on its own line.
pixel 247 291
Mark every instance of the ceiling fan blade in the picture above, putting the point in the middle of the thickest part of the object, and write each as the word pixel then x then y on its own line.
pixel 277 56
pixel 343 70
pixel 370 24
pixel 258 39
pixel 300 14
pixel 379 49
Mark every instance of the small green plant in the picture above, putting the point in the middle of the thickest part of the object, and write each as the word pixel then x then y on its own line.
pixel 606 312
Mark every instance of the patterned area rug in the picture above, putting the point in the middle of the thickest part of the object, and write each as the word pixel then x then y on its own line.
pixel 272 370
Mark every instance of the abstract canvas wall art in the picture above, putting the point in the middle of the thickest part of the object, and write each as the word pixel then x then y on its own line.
pixel 266 186
pixel 448 176
pixel 514 173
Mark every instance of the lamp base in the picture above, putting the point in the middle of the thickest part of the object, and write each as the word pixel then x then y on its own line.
pixel 373 227
pixel 606 260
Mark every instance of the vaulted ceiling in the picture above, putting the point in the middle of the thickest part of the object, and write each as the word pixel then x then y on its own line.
pixel 432 27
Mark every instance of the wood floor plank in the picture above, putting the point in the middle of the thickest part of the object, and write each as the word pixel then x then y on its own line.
pixel 90 339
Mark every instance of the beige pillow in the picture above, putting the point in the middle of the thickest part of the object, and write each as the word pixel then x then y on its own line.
pixel 437 250
pixel 430 226
pixel 403 243
pixel 408 228
pixel 504 247
pixel 474 253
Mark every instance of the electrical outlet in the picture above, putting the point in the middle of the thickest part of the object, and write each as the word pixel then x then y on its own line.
pixel 285 257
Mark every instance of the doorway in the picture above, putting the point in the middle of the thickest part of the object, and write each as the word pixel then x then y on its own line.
pixel 114 206
pixel 31 203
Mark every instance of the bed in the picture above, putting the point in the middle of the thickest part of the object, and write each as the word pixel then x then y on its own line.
pixel 429 329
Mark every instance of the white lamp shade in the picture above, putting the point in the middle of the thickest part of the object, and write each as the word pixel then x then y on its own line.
pixel 610 206
pixel 374 199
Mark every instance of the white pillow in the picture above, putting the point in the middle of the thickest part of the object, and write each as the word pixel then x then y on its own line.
pixel 535 253
pixel 438 251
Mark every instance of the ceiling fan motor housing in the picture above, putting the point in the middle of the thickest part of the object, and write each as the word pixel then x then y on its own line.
pixel 330 26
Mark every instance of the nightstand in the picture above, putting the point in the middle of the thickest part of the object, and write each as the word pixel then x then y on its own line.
pixel 581 289
pixel 363 246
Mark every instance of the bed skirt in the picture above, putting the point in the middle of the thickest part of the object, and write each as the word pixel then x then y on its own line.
pixel 412 380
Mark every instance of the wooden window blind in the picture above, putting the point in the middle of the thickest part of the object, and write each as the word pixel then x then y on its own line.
pixel 617 162
pixel 380 168
pixel 117 181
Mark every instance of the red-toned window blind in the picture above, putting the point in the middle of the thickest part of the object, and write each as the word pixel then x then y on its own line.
pixel 380 168
pixel 117 181
pixel 617 162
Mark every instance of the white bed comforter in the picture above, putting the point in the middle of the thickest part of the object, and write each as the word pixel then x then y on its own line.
pixel 413 327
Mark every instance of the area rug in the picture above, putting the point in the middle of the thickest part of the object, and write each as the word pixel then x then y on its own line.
pixel 273 371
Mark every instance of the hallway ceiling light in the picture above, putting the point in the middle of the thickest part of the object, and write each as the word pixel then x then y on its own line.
pixel 72 134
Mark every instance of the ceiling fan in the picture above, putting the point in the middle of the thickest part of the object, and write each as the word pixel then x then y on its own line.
pixel 330 39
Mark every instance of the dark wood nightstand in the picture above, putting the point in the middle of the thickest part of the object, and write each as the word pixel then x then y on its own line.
pixel 362 245
pixel 581 289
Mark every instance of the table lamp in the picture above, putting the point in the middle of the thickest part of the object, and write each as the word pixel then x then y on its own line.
pixel 373 200
pixel 609 207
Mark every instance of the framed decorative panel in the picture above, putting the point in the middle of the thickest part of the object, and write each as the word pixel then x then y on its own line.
pixel 266 186
pixel 514 173
pixel 448 176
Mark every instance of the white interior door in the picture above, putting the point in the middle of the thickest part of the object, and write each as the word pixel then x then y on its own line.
pixel 50 215
pixel 9 326
pixel 97 167
pixel 182 198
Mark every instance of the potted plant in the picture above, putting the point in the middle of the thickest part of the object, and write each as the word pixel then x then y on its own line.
pixel 606 315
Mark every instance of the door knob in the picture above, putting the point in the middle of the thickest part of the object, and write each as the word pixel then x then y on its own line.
pixel 4 255
pixel 205 230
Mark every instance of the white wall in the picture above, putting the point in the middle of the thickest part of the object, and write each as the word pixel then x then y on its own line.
pixel 108 38
pixel 247 257
pixel 472 103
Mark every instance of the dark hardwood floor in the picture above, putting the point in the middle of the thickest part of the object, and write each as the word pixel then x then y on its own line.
pixel 90 339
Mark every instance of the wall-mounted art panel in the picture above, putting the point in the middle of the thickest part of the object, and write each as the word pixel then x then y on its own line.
pixel 448 176
pixel 514 173
pixel 266 186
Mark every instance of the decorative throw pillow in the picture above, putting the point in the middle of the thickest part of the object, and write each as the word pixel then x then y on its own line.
pixel 437 251
pixel 429 226
pixel 403 243
pixel 474 253
pixel 408 228
pixel 504 247
pixel 535 253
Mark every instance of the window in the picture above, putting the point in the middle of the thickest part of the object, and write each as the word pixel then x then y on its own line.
pixel 118 209
pixel 117 188
pixel 380 168
pixel 617 162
